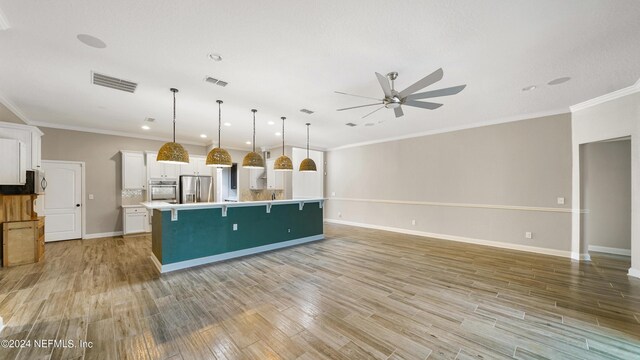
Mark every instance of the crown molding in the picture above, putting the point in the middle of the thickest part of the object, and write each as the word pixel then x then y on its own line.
pixel 13 108
pixel 4 23
pixel 606 97
pixel 458 128
pixel 108 132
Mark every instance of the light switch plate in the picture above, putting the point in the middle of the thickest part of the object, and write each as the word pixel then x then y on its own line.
pixel 90 196
pixel 560 201
pixel 528 235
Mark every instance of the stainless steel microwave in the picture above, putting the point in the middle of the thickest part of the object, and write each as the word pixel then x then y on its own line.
pixel 163 191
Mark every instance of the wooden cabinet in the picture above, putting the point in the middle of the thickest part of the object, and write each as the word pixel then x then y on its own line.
pixel 161 171
pixel 135 220
pixel 133 171
pixel 19 243
pixel 196 166
pixel 40 239
pixel 14 162
pixel 275 179
pixel 17 208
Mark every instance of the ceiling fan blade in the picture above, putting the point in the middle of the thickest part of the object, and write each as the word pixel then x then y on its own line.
pixel 355 107
pixel 423 105
pixel 423 83
pixel 386 88
pixel 373 111
pixel 437 93
pixel 398 111
pixel 360 96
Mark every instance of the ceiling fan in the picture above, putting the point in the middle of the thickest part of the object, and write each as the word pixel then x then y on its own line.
pixel 394 99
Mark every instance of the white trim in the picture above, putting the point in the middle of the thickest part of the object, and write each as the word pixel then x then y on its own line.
pixel 102 235
pixel 606 97
pixel 580 257
pixel 459 127
pixel 108 132
pixel 634 272
pixel 481 206
pixel 497 244
pixel 14 109
pixel 610 250
pixel 4 25
pixel 232 254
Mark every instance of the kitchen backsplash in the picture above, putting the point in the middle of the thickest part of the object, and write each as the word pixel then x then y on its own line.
pixel 258 195
pixel 133 197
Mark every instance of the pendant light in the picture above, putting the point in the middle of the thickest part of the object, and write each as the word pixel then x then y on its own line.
pixel 253 160
pixel 308 165
pixel 219 157
pixel 172 152
pixel 283 163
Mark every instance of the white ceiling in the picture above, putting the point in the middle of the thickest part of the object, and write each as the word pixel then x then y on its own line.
pixel 284 55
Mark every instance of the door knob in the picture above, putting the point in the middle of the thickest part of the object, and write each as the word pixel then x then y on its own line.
pixel 77 205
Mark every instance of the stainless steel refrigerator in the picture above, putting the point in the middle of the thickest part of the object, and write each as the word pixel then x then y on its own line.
pixel 195 189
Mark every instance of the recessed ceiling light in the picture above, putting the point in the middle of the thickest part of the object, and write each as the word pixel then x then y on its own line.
pixel 215 57
pixel 559 81
pixel 529 88
pixel 145 127
pixel 91 41
pixel 248 142
pixel 227 124
pixel 204 136
pixel 270 122
pixel 278 134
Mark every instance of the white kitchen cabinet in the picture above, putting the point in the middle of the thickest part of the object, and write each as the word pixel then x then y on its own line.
pixel 30 136
pixel 133 171
pixel 255 182
pixel 275 179
pixel 14 162
pixel 161 171
pixel 135 220
pixel 196 166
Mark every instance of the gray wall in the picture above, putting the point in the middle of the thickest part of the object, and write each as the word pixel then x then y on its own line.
pixel 7 115
pixel 606 193
pixel 101 154
pixel 525 163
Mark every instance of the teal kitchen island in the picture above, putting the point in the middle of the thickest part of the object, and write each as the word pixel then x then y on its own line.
pixel 187 235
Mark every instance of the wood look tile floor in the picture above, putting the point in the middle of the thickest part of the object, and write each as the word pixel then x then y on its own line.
pixel 359 294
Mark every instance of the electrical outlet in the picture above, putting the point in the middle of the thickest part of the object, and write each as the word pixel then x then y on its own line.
pixel 90 196
pixel 413 222
pixel 235 227
pixel 560 201
pixel 339 214
pixel 333 193
pixel 288 230
pixel 528 235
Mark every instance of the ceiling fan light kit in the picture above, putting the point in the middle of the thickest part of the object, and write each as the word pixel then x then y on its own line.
pixel 172 152
pixel 283 163
pixel 394 99
pixel 253 160
pixel 219 157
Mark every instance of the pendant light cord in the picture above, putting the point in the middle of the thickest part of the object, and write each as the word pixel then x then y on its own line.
pixel 219 122
pixel 254 129
pixel 283 134
pixel 308 139
pixel 174 114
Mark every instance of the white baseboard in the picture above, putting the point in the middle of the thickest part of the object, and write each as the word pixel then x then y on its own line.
pixel 230 255
pixel 102 235
pixel 610 250
pixel 634 272
pixel 580 257
pixel 532 249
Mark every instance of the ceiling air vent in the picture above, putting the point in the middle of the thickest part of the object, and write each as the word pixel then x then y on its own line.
pixel 209 79
pixel 351 124
pixel 307 111
pixel 113 83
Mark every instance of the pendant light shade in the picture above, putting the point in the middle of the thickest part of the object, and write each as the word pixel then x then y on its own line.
pixel 253 160
pixel 219 157
pixel 172 152
pixel 308 165
pixel 283 163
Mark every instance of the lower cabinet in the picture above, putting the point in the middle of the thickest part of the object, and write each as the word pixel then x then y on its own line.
pixel 135 220
pixel 21 243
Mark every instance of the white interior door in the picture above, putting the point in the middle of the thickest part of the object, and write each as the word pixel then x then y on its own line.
pixel 62 202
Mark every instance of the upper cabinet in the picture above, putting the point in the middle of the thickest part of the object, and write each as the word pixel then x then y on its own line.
pixel 196 166
pixel 133 170
pixel 14 159
pixel 161 171
pixel 31 137
pixel 275 179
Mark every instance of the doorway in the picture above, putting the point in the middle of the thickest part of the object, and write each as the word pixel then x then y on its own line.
pixel 63 205
pixel 605 195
